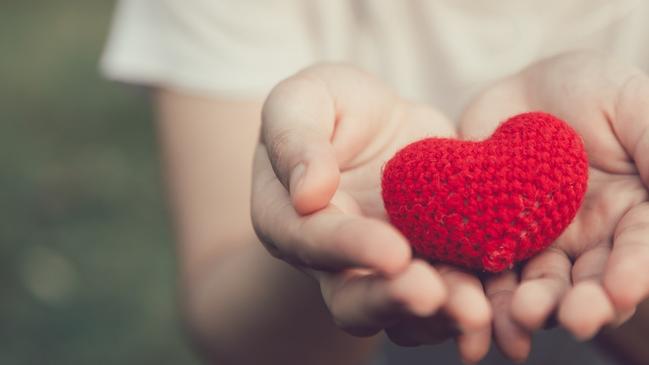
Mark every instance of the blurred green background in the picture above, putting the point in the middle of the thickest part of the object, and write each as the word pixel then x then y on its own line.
pixel 87 267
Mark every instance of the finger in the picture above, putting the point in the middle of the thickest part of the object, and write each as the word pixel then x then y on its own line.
pixel 297 124
pixel 622 317
pixel 580 317
pixel 626 276
pixel 321 120
pixel 330 239
pixel 512 339
pixel 473 346
pixel 467 303
pixel 326 240
pixel 487 110
pixel 586 307
pixel 468 306
pixel 544 280
pixel 363 304
pixel 631 121
pixel 467 317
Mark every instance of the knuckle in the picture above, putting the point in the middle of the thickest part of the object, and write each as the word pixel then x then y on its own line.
pixel 306 253
pixel 500 297
pixel 279 147
pixel 289 97
pixel 556 277
pixel 279 142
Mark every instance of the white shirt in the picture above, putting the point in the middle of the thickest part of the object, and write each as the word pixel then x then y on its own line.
pixel 440 51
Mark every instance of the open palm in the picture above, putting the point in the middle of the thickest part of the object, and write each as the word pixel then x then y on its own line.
pixel 326 134
pixel 596 272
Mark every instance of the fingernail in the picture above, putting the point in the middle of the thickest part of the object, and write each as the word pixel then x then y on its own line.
pixel 297 178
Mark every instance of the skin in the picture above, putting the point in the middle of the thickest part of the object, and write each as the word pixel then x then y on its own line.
pixel 315 204
pixel 225 273
pixel 596 272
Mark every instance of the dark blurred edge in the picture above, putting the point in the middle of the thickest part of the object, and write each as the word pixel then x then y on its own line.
pixel 629 343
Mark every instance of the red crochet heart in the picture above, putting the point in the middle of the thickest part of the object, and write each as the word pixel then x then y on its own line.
pixel 488 204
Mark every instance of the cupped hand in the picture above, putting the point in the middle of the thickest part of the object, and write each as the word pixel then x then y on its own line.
pixel 316 203
pixel 598 270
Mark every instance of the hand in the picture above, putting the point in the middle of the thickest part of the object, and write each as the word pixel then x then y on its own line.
pixel 316 203
pixel 597 270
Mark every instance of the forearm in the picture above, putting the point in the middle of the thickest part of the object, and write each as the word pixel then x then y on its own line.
pixel 250 308
pixel 241 305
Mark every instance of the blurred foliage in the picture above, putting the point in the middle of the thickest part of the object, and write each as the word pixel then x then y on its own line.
pixel 87 268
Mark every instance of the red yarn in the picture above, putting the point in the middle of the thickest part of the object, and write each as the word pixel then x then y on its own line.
pixel 489 204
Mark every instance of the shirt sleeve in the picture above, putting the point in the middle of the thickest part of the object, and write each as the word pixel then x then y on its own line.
pixel 230 48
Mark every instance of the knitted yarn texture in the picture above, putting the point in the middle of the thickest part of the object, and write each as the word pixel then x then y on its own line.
pixel 485 205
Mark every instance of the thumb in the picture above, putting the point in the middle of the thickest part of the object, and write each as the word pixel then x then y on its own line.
pixel 298 120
